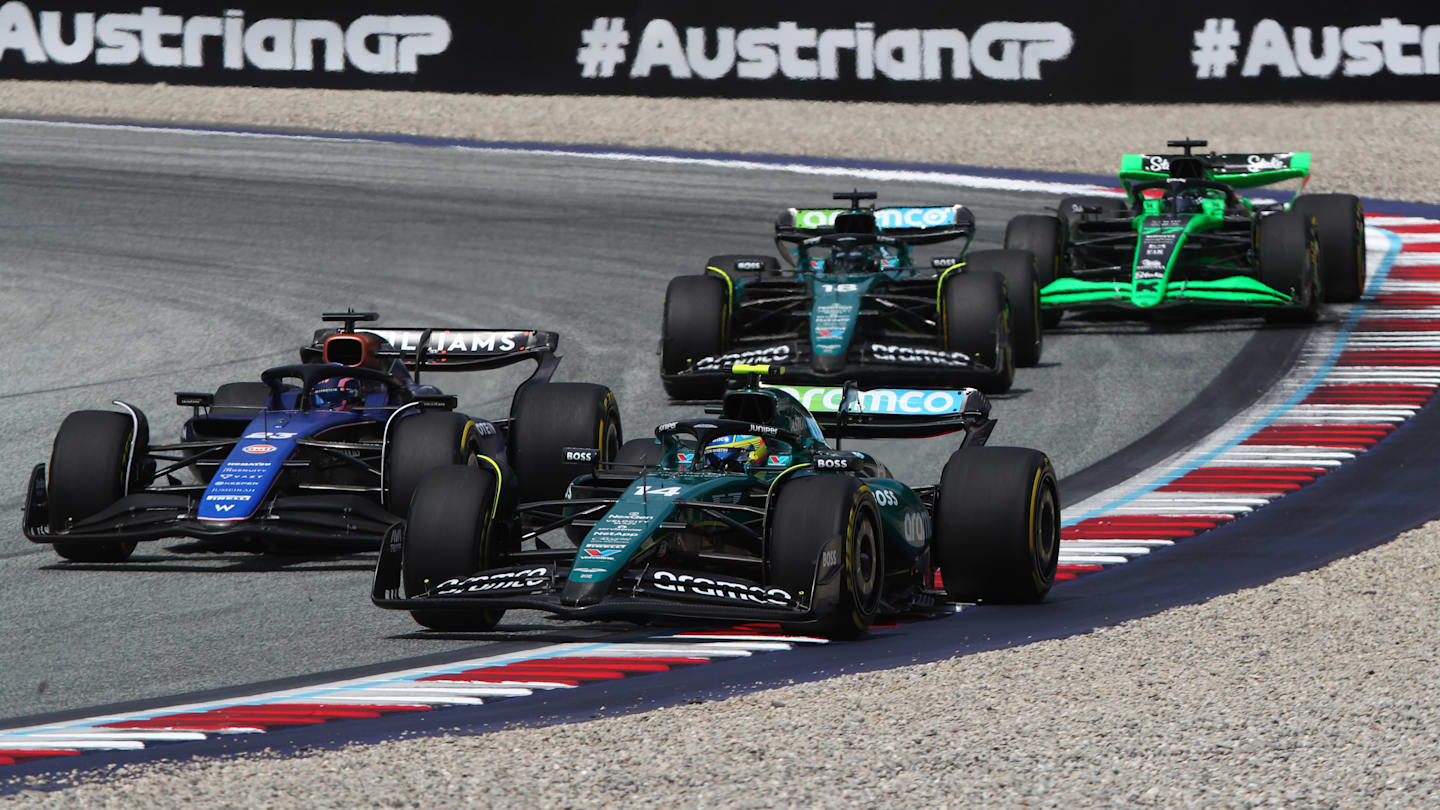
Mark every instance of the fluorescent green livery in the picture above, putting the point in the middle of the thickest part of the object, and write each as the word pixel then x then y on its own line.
pixel 1183 237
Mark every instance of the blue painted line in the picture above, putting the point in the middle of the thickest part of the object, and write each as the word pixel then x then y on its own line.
pixel 1382 271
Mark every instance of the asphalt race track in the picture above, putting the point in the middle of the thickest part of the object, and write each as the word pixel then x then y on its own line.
pixel 137 263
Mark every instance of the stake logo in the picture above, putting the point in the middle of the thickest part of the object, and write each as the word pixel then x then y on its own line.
pixel 371 43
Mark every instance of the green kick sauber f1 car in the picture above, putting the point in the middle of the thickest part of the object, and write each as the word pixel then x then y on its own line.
pixel 1182 237
pixel 748 514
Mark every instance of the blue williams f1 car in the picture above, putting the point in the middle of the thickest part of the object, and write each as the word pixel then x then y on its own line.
pixel 324 452
pixel 746 515
pixel 857 305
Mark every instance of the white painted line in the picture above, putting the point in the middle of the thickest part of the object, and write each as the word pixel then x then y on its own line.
pixel 27 744
pixel 1065 559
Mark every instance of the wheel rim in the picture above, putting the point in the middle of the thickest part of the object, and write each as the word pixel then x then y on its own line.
pixel 1047 536
pixel 867 564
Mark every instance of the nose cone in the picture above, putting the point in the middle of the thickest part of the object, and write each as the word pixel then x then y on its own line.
pixel 583 594
pixel 828 363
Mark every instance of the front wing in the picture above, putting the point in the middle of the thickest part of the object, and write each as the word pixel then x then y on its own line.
pixel 676 594
pixel 1234 292
pixel 339 519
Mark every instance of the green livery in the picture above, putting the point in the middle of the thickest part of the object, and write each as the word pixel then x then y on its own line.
pixel 747 514
pixel 1183 237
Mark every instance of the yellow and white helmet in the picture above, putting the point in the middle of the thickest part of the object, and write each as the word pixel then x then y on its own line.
pixel 736 451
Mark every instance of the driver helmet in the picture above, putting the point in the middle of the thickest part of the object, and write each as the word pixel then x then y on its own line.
pixel 1188 201
pixel 734 452
pixel 855 260
pixel 337 393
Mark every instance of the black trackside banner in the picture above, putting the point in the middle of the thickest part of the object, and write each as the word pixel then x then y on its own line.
pixel 1025 50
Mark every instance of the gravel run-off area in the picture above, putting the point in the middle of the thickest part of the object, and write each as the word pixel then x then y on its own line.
pixel 1319 690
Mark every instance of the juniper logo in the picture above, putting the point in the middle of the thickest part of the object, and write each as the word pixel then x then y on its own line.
pixel 372 43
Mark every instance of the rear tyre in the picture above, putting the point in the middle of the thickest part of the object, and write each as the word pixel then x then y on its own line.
pixel 974 320
pixel 696 311
pixel 421 443
pixel 89 466
pixel 447 537
pixel 1287 259
pixel 835 512
pixel 1022 288
pixel 1340 230
pixel 1044 237
pixel 997 525
pixel 549 417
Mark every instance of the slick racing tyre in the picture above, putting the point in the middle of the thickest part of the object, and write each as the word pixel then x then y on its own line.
pixel 1071 211
pixel 997 525
pixel 1340 230
pixel 421 443
pixel 1043 236
pixel 974 320
pixel 91 465
pixel 1287 258
pixel 830 522
pixel 1022 288
pixel 696 313
pixel 447 537
pixel 549 417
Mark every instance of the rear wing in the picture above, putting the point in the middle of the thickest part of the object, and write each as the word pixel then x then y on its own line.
pixel 894 413
pixel 450 349
pixel 915 225
pixel 1237 170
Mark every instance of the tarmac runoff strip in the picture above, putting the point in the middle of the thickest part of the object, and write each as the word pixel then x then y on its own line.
pixel 1354 384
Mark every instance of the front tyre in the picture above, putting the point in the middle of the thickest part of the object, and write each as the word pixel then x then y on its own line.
pixel 91 467
pixel 830 523
pixel 997 525
pixel 974 320
pixel 1287 258
pixel 1340 230
pixel 448 537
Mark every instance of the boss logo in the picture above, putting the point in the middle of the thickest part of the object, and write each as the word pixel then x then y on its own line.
pixel 749 265
pixel 581 454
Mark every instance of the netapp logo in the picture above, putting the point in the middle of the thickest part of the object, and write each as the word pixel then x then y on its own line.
pixel 996 50
pixel 372 43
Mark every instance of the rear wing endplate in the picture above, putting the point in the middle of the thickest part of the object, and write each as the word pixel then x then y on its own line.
pixel 451 349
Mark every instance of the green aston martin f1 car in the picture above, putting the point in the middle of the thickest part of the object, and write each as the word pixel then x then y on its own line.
pixel 1183 237
pixel 748 514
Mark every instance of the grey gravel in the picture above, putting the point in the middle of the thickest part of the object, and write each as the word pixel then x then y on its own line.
pixel 1318 690
pixel 1383 150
